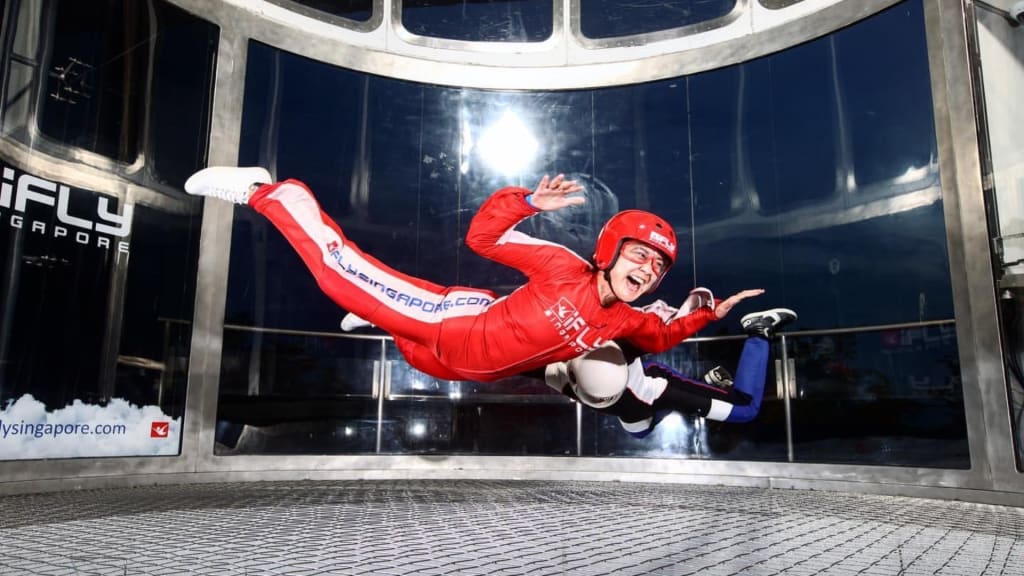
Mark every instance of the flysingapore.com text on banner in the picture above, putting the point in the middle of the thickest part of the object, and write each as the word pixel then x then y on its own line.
pixel 43 429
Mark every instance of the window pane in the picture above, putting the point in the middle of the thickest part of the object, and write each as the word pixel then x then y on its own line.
pixel 120 74
pixel 107 282
pixel 891 397
pixel 358 10
pixel 179 103
pixel 96 84
pixel 890 129
pixel 295 394
pixel 479 20
pixel 515 416
pixel 613 18
pixel 90 338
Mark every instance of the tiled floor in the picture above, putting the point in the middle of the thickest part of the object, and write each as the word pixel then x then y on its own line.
pixel 500 528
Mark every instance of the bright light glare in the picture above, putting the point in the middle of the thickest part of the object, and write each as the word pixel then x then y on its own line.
pixel 507 146
pixel 672 422
pixel 913 174
pixel 417 429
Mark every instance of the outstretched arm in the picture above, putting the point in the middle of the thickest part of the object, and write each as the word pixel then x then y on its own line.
pixel 654 334
pixel 492 231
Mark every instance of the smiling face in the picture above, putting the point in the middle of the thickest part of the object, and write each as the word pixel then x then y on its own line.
pixel 637 269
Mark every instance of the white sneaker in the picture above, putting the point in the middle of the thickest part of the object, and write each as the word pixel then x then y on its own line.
pixel 226 182
pixel 352 322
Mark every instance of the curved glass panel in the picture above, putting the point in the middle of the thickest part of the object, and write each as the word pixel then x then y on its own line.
pixel 91 80
pixel 614 18
pixel 798 217
pixel 885 115
pixel 425 414
pixel 479 20
pixel 286 390
pixel 888 397
pixel 99 94
pixel 759 166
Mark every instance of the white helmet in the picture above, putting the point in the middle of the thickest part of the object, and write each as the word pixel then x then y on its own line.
pixel 598 377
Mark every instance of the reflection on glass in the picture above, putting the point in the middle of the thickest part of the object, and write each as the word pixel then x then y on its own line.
pixel 891 397
pixel 507 146
pixel 479 20
pixel 613 18
pixel 891 94
pixel 66 346
pixel 108 69
pixel 478 426
pixel 405 382
pixel 296 394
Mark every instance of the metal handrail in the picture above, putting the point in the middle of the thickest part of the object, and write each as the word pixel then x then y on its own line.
pixel 795 333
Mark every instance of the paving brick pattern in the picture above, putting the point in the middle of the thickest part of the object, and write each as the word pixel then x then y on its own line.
pixel 433 528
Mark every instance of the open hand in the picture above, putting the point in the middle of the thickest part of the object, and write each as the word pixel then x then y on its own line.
pixel 723 307
pixel 552 194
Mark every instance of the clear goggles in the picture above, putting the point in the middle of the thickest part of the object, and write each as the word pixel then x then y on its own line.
pixel 638 253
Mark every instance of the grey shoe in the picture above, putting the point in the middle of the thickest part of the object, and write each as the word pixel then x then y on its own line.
pixel 764 323
pixel 719 378
pixel 226 182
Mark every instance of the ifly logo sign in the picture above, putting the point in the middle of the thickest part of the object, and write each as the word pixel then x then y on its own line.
pixel 572 327
pixel 20 192
pixel 159 429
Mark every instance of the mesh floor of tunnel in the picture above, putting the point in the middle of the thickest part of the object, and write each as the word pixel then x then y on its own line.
pixel 432 527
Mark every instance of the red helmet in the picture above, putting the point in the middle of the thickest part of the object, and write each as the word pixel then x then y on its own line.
pixel 638 225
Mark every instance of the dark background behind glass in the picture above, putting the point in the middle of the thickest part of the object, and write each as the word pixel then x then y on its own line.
pixel 765 168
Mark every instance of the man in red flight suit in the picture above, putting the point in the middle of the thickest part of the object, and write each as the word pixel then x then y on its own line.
pixel 567 306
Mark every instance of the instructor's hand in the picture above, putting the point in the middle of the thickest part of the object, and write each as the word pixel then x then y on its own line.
pixel 552 194
pixel 726 305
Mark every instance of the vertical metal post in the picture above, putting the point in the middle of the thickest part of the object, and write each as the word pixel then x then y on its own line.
pixel 383 369
pixel 786 389
pixel 579 429
pixel 199 430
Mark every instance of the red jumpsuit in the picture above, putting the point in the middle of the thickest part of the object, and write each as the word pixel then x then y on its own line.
pixel 460 333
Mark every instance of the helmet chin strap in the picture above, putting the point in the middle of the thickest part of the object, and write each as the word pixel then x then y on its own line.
pixel 611 287
pixel 608 279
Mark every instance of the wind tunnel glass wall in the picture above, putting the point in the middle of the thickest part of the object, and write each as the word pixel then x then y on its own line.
pixel 811 173
pixel 105 113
